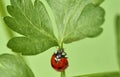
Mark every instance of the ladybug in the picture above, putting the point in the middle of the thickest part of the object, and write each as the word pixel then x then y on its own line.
pixel 58 60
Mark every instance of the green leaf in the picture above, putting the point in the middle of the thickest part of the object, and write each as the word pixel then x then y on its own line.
pixel 33 22
pixel 97 2
pixel 117 28
pixel 29 46
pixel 109 74
pixel 77 19
pixel 14 66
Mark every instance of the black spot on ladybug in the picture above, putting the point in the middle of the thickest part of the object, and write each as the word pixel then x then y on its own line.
pixel 60 67
pixel 52 65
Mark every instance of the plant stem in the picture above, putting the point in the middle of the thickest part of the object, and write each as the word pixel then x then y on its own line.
pixel 60 45
pixel 2 10
pixel 118 37
pixel 63 74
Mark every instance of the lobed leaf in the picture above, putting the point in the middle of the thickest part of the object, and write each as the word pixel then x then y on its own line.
pixel 109 74
pixel 87 25
pixel 77 19
pixel 14 66
pixel 30 46
pixel 33 22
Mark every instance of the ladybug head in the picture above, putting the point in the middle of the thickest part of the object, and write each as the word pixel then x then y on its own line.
pixel 60 54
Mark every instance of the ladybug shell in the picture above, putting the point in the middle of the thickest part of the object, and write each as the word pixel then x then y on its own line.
pixel 59 65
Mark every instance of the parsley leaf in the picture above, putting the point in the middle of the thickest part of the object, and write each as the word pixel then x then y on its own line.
pixel 34 23
pixel 77 19
pixel 14 66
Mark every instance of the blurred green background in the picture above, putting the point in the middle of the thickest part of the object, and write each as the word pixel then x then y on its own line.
pixel 85 56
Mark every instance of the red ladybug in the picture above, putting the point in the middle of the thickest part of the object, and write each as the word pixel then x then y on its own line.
pixel 58 61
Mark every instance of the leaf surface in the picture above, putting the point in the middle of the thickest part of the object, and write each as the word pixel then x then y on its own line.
pixel 14 66
pixel 33 22
pixel 77 19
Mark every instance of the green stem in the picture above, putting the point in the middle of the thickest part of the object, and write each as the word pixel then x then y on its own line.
pixel 118 37
pixel 2 10
pixel 60 45
pixel 63 74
